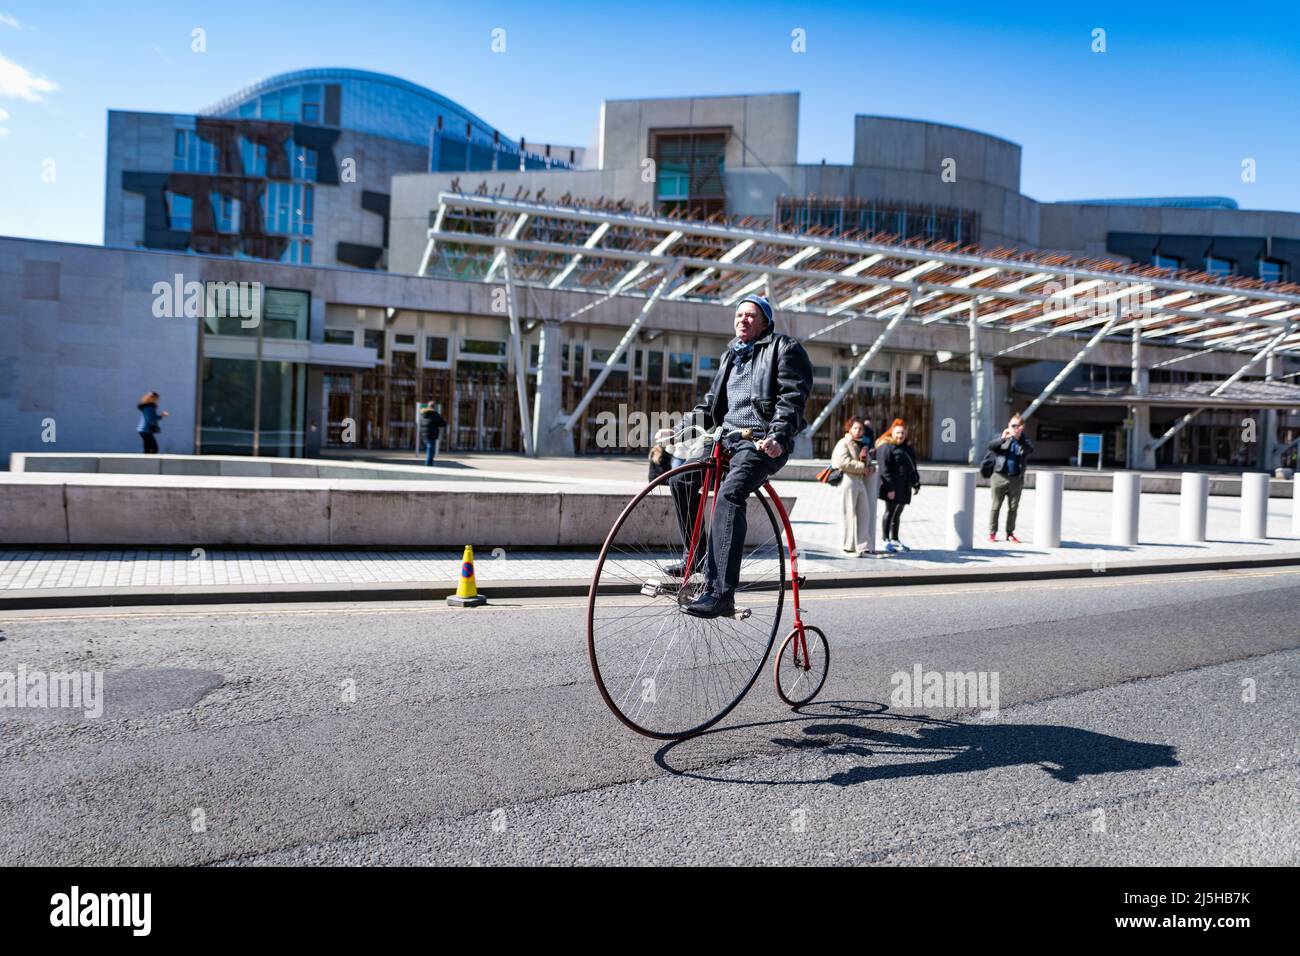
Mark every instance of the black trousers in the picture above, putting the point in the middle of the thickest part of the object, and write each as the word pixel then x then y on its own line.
pixel 150 443
pixel 748 471
pixel 889 524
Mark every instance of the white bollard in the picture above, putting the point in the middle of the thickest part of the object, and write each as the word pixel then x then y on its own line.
pixel 961 509
pixel 1254 505
pixel 1295 504
pixel 1048 488
pixel 1126 495
pixel 873 493
pixel 1193 507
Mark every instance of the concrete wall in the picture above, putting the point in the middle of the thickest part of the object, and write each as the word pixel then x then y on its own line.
pixel 1082 228
pixel 208 512
pixel 79 344
pixel 764 127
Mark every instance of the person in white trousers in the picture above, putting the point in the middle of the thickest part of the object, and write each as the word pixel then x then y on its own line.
pixel 858 506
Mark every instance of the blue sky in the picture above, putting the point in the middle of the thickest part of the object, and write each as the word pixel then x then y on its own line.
pixel 1184 92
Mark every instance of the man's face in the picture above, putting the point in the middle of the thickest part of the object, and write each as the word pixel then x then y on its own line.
pixel 1017 427
pixel 749 321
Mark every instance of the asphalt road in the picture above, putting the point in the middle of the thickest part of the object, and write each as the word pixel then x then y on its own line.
pixel 1141 720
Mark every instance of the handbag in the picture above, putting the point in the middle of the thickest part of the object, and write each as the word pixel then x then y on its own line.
pixel 830 476
pixel 988 465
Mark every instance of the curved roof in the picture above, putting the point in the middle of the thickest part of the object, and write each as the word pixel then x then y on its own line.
pixel 435 101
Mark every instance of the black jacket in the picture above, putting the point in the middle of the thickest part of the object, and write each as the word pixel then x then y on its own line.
pixel 896 465
pixel 431 425
pixel 782 363
pixel 999 448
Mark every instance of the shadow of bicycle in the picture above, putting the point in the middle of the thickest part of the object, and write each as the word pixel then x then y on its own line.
pixel 895 745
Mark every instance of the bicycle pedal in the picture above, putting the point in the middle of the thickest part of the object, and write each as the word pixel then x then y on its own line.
pixel 741 613
pixel 652 589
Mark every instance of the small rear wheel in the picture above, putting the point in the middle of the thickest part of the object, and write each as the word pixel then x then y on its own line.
pixel 801 666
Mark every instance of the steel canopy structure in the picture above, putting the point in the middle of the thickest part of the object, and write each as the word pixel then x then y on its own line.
pixel 845 278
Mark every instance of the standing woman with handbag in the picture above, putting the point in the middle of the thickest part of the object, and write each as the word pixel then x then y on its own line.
pixel 856 516
pixel 899 480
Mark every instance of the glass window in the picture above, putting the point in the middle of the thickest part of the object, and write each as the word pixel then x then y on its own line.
pixel 481 347
pixel 600 357
pixel 402 338
pixel 287 208
pixel 271 106
pixel 180 211
pixel 1271 270
pixel 436 348
pixel 248 110
pixel 311 101
pixel 1219 267
pixel 375 340
pixel 680 365
pixel 231 308
pixel 193 154
pixel 227 421
pixel 914 383
pixel 304 161
pixel 822 372
pixel 1166 262
pixel 291 104
pixel 253 156
pixel 284 313
pixel 655 366
pixel 340 336
pixel 875 383
pixel 225 213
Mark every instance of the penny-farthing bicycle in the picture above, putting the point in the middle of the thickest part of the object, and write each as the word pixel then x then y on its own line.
pixel 668 674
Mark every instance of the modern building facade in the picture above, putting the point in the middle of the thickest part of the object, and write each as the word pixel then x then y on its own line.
pixel 293 169
pixel 257 189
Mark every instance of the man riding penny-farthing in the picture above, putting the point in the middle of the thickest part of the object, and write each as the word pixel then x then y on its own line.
pixel 690 584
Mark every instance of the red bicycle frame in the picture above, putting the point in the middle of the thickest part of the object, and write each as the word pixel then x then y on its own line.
pixel 720 457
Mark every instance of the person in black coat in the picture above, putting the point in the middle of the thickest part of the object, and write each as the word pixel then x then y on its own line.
pixel 899 480
pixel 431 426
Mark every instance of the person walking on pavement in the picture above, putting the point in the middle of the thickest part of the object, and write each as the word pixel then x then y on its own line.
pixel 762 384
pixel 431 426
pixel 856 512
pixel 899 480
pixel 150 421
pixel 1008 478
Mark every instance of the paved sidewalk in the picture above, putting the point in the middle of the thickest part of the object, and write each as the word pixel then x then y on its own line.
pixel 1085 530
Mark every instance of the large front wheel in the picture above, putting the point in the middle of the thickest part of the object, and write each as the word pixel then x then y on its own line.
pixel 663 672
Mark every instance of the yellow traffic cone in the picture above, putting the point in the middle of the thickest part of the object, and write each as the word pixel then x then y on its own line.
pixel 466 589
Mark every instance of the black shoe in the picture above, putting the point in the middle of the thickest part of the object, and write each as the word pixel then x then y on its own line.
pixel 711 605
